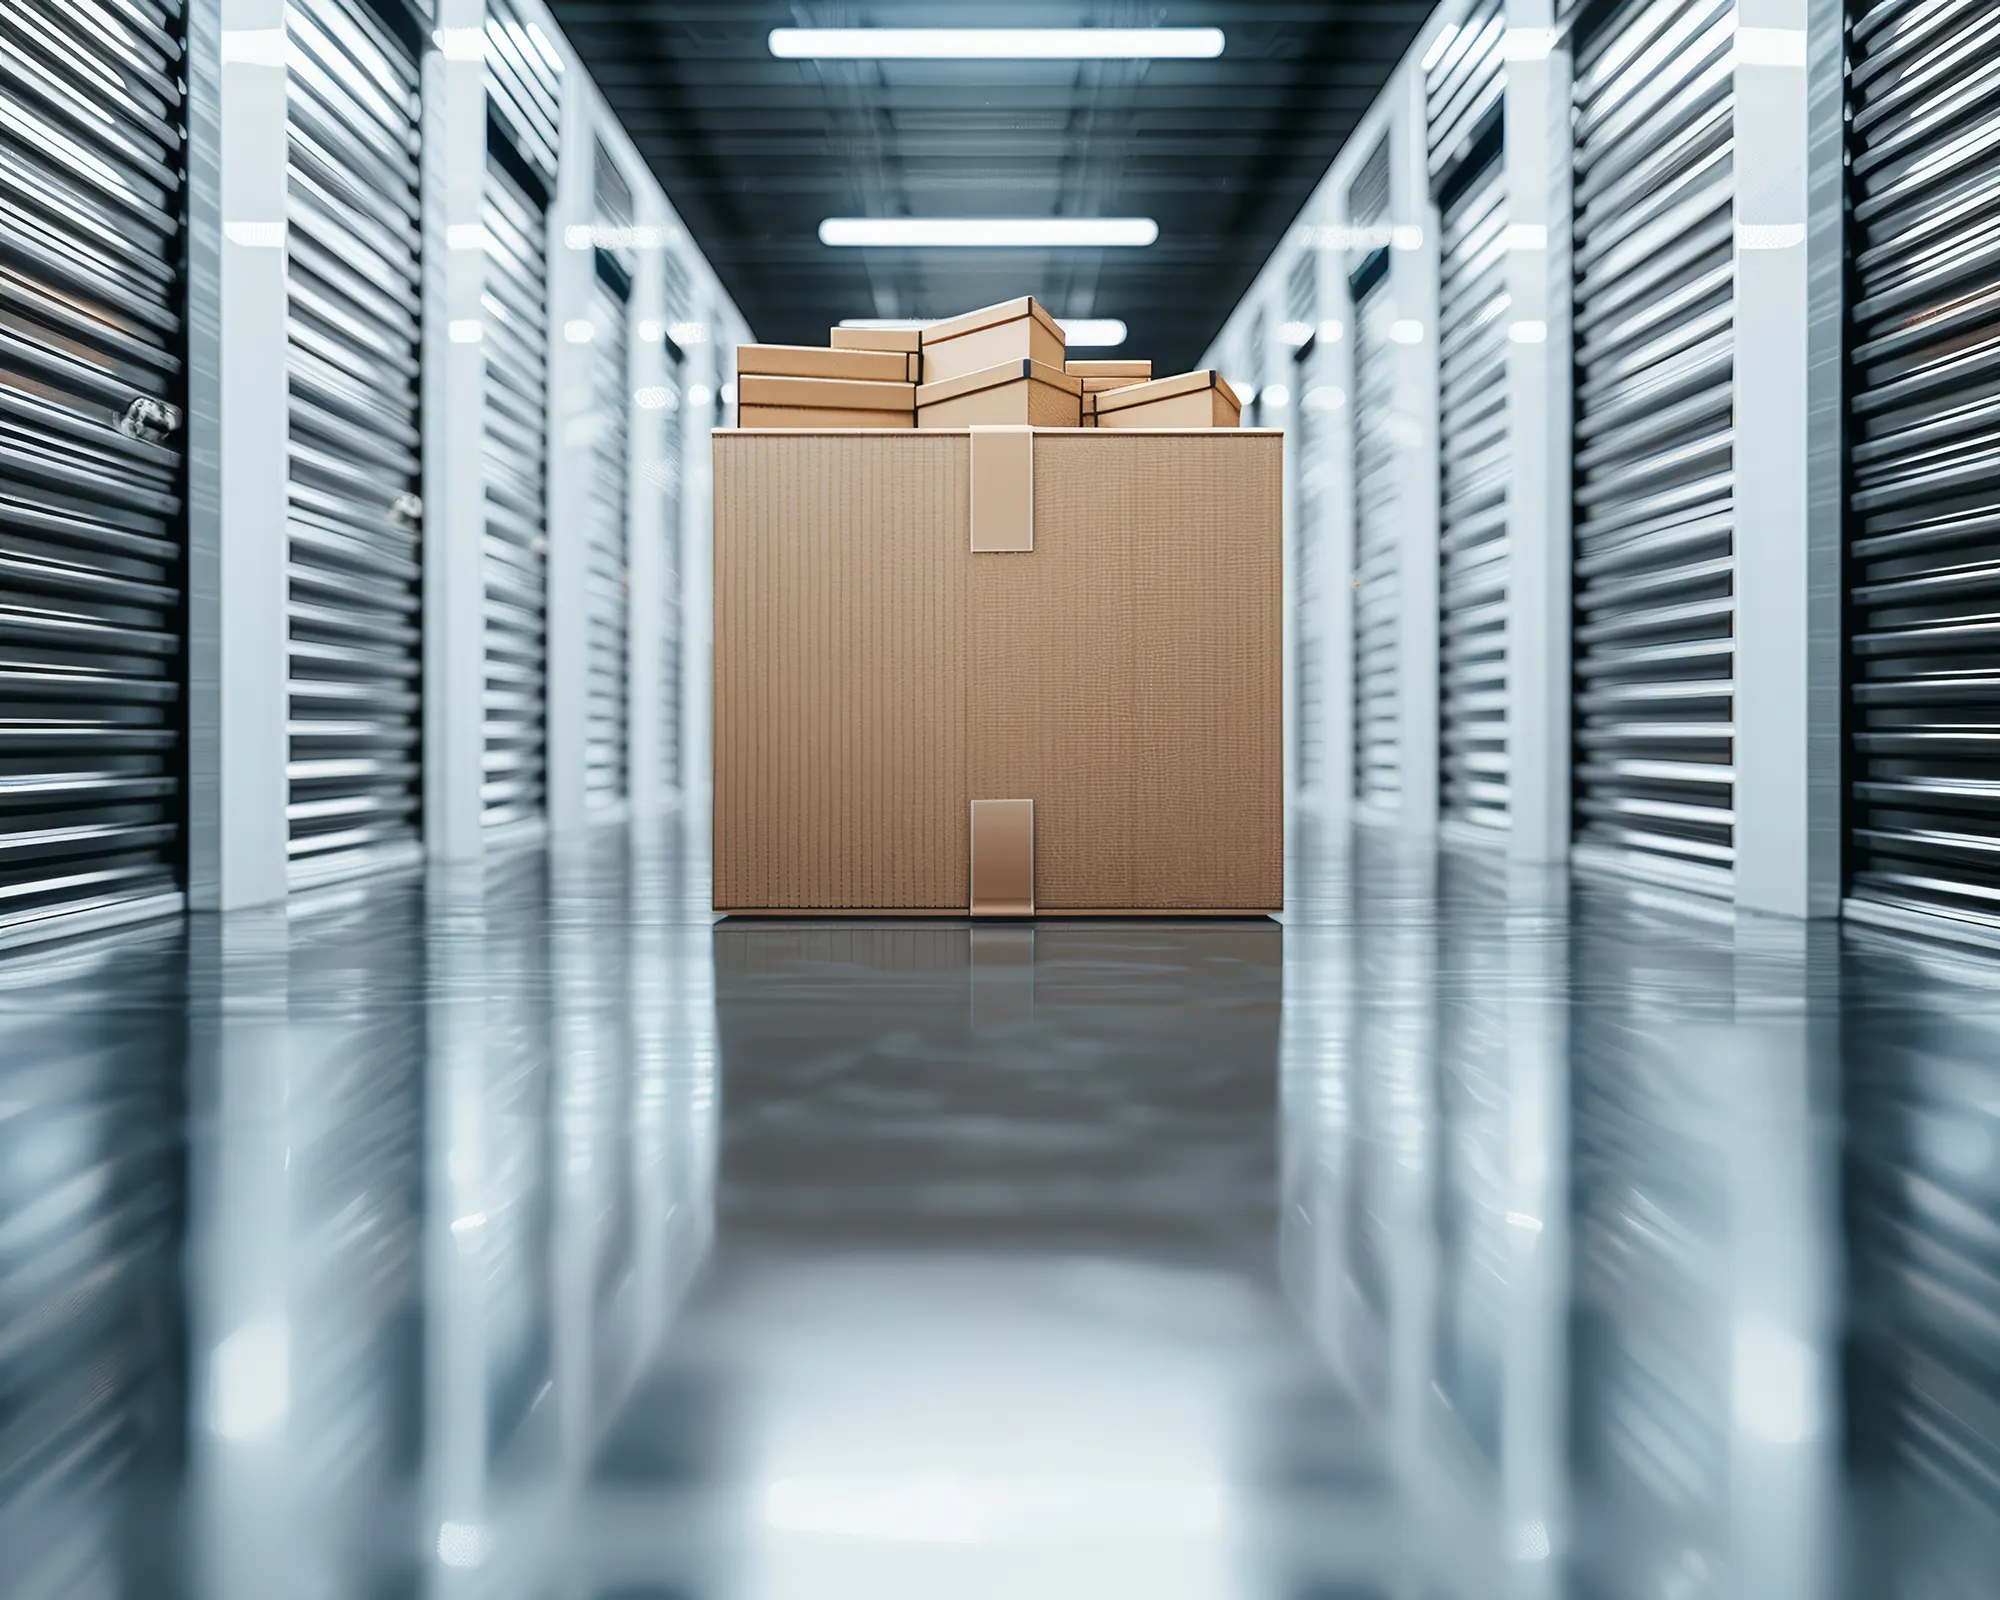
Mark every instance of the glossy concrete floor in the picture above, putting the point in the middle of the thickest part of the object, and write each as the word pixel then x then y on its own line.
pixel 1464 1235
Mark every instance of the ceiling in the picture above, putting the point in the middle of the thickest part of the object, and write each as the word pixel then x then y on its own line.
pixel 754 151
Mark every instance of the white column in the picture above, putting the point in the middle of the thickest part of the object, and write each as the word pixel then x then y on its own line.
pixel 454 379
pixel 1413 280
pixel 1787 583
pixel 646 589
pixel 571 460
pixel 1538 162
pixel 237 585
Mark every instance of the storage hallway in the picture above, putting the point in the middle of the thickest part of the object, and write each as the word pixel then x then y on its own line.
pixel 1587 1186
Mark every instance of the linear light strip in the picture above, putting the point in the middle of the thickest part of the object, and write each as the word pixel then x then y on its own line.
pixel 990 232
pixel 1079 333
pixel 996 44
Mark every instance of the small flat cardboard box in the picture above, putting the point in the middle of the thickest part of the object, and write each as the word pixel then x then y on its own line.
pixel 1001 670
pixel 1187 400
pixel 906 340
pixel 1017 392
pixel 781 402
pixel 809 361
pixel 1101 375
pixel 1014 330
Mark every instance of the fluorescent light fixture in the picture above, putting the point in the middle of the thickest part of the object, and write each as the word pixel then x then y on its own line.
pixel 1245 393
pixel 1079 333
pixel 1528 332
pixel 698 394
pixel 1277 396
pixel 465 330
pixel 967 233
pixel 651 330
pixel 1330 331
pixel 579 330
pixel 996 44
pixel 1324 397
pixel 1295 334
pixel 687 333
pixel 1406 330
pixel 1092 333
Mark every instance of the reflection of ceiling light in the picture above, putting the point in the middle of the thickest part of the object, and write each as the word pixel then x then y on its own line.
pixel 698 394
pixel 579 331
pixel 1443 42
pixel 1092 333
pixel 1295 333
pixel 728 394
pixel 1277 397
pixel 1324 397
pixel 1245 392
pixel 687 333
pixel 990 232
pixel 995 44
pixel 1407 331
pixel 1330 331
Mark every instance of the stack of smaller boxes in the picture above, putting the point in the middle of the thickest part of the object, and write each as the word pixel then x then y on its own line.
pixel 1004 364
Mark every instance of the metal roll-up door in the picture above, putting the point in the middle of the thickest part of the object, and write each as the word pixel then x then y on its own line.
pixel 1378 587
pixel 523 108
pixel 1654 523
pixel 92 530
pixel 1464 93
pixel 515 462
pixel 352 339
pixel 607 694
pixel 1925 447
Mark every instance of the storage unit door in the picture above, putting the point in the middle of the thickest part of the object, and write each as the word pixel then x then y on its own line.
pixel 1654 516
pixel 355 293
pixel 1313 464
pixel 92 657
pixel 1474 572
pixel 1925 447
pixel 1378 589
pixel 515 454
pixel 607 731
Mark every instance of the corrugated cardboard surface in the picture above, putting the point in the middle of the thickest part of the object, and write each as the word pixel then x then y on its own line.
pixel 840 669
pixel 873 675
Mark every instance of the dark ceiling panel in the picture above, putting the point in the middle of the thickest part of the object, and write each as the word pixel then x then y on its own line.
pixel 754 151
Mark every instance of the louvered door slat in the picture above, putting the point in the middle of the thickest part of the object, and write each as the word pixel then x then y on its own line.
pixel 354 275
pixel 1924 561
pixel 92 649
pixel 1654 517
pixel 515 462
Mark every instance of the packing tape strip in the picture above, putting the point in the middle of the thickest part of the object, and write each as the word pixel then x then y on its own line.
pixel 1003 490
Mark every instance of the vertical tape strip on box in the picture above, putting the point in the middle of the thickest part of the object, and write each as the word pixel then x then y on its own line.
pixel 1003 489
pixel 1003 858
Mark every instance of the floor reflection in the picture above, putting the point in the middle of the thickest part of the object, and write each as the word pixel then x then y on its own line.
pixel 527 1234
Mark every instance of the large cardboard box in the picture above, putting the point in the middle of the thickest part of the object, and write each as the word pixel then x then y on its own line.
pixel 1023 392
pixel 783 402
pixel 1003 669
pixel 1014 330
pixel 1186 400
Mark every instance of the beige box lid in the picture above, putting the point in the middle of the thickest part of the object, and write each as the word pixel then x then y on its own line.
pixel 755 389
pixel 990 377
pixel 907 340
pixel 810 361
pixel 991 316
pixel 1141 370
pixel 1162 389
